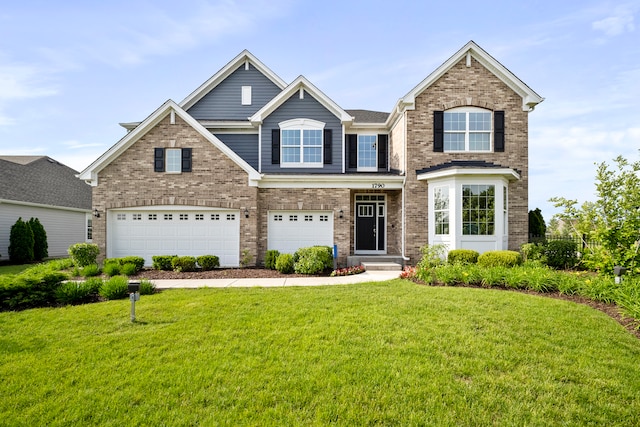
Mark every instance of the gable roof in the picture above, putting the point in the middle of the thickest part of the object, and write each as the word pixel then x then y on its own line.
pixel 244 57
pixel 42 180
pixel 90 174
pixel 300 83
pixel 471 50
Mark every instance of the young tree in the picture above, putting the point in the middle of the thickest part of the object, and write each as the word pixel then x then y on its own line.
pixel 40 245
pixel 21 243
pixel 613 219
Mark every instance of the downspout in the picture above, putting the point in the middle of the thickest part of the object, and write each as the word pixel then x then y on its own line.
pixel 405 258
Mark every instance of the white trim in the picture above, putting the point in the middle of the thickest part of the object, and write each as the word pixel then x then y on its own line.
pixel 301 125
pixel 359 182
pixel 246 95
pixel 382 251
pixel 245 57
pixel 307 124
pixel 467 132
pixel 373 168
pixel 40 205
pixel 507 173
pixel 172 208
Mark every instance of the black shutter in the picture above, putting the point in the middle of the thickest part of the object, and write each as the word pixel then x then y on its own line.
pixel 158 159
pixel 352 151
pixel 275 146
pixel 383 151
pixel 498 131
pixel 438 131
pixel 186 160
pixel 328 144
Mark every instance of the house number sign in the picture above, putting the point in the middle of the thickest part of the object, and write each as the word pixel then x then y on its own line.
pixel 377 185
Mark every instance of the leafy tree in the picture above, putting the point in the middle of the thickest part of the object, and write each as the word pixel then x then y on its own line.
pixel 613 219
pixel 21 243
pixel 537 226
pixel 40 245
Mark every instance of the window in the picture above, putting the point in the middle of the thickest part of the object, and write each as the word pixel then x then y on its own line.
pixel 184 217
pixel 121 217
pixel 172 160
pixel 324 218
pixel 89 229
pixel 293 217
pixel 301 143
pixel 137 217
pixel 199 217
pixel 246 95
pixel 277 217
pixel 168 217
pixel 308 218
pixel 478 205
pixel 153 217
pixel 215 217
pixel 441 209
pixel 231 217
pixel 367 153
pixel 467 129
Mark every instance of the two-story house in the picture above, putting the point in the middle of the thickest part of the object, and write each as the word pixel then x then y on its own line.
pixel 248 163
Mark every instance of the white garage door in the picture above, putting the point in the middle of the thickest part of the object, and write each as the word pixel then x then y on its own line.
pixel 147 233
pixel 290 230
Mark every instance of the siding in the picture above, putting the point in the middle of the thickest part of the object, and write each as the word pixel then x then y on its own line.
pixel 245 146
pixel 64 228
pixel 224 101
pixel 308 108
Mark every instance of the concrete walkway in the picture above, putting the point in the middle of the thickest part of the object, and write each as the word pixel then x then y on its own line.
pixel 367 276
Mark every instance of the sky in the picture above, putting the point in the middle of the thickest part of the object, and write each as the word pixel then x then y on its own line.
pixel 71 71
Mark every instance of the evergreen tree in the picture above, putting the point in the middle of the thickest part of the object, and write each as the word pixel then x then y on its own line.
pixel 537 226
pixel 21 243
pixel 40 245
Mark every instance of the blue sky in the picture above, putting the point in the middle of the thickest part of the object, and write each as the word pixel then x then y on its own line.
pixel 71 71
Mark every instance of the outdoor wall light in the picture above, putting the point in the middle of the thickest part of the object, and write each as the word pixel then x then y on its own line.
pixel 96 213
pixel 341 213
pixel 246 213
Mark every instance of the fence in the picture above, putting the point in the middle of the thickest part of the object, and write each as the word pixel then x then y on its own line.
pixel 581 242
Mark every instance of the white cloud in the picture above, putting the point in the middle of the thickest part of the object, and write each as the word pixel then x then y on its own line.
pixel 619 22
pixel 24 81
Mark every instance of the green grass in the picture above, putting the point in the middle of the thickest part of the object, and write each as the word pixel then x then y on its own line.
pixel 14 269
pixel 391 353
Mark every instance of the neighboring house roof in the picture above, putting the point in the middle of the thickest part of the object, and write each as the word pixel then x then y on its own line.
pixel 301 83
pixel 368 116
pixel 471 50
pixel 42 180
pixel 90 174
pixel 245 57
pixel 466 167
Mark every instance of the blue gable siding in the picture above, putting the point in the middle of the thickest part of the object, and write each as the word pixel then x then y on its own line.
pixel 245 146
pixel 307 108
pixel 224 101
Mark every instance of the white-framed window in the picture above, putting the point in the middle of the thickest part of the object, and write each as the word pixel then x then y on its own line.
pixel 367 153
pixel 173 160
pixel 215 217
pixel 246 95
pixel 301 143
pixel 89 228
pixel 231 217
pixel 199 217
pixel 168 217
pixel 467 129
pixel 324 218
pixel 277 217
pixel 293 217
pixel 478 210
pixel 441 209
pixel 308 218
pixel 184 217
pixel 153 217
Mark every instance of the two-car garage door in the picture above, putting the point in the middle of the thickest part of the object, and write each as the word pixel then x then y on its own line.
pixel 147 233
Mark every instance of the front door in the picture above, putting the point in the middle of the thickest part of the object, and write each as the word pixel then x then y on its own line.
pixel 370 223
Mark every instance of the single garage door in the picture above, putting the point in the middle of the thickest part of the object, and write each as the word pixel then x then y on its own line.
pixel 290 230
pixel 147 233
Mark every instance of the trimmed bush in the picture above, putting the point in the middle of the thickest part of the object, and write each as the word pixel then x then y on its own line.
pixel 313 260
pixel 284 263
pixel 31 288
pixel 137 261
pixel 116 287
pixel 21 243
pixel 40 245
pixel 90 270
pixel 84 254
pixel 270 259
pixel 128 269
pixel 500 259
pixel 561 254
pixel 462 256
pixel 208 262
pixel 183 263
pixel 163 262
pixel 111 268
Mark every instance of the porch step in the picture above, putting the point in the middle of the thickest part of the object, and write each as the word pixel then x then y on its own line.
pixel 381 266
pixel 374 259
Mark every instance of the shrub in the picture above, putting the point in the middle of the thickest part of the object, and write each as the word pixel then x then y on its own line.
pixel 40 245
pixel 75 292
pixel 208 262
pixel 90 270
pixel 84 254
pixel 147 287
pixel 313 260
pixel 163 262
pixel 128 269
pixel 462 256
pixel 21 243
pixel 284 263
pixel 270 259
pixel 246 258
pixel 94 283
pixel 561 254
pixel 31 288
pixel 111 268
pixel 183 263
pixel 432 256
pixel 116 287
pixel 533 252
pixel 137 261
pixel 500 259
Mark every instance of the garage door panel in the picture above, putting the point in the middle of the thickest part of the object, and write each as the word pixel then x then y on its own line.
pixel 290 230
pixel 175 232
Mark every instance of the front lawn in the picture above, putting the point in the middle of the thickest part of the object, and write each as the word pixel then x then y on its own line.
pixel 392 353
pixel 14 269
